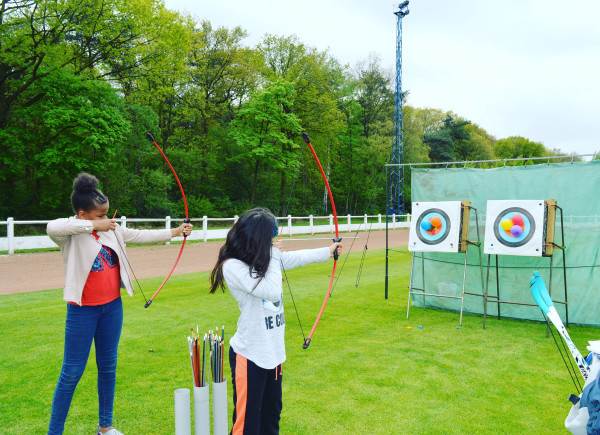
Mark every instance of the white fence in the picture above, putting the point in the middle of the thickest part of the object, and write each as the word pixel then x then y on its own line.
pixel 11 243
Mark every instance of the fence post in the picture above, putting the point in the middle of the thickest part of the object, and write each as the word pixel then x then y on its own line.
pixel 349 229
pixel 408 219
pixel 10 235
pixel 379 222
pixel 168 226
pixel 235 219
pixel 331 224
pixel 310 225
pixel 394 221
pixel 366 222
pixel 289 225
pixel 205 228
pixel 123 221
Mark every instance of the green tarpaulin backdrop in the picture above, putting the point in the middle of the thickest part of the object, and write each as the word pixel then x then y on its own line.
pixel 576 188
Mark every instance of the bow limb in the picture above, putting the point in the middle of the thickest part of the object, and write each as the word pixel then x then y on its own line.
pixel 186 220
pixel 336 239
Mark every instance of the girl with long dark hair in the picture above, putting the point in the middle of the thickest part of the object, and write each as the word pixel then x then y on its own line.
pixel 251 267
pixel 93 250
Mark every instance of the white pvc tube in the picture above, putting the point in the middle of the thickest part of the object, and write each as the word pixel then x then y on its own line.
pixel 201 411
pixel 183 421
pixel 220 417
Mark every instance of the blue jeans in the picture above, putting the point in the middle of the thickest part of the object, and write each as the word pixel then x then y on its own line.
pixel 102 324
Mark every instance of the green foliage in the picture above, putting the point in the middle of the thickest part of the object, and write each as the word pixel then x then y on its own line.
pixel 261 131
pixel 479 146
pixel 518 147
pixel 418 122
pixel 81 82
pixel 317 79
pixel 374 94
pixel 78 125
pixel 449 142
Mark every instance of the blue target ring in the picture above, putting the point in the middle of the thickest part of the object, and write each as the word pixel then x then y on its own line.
pixel 425 235
pixel 510 240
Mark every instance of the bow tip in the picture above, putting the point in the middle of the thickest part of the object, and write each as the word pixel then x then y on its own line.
pixel 306 344
pixel 148 303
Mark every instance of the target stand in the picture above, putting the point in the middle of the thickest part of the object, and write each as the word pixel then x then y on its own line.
pixel 441 227
pixel 525 228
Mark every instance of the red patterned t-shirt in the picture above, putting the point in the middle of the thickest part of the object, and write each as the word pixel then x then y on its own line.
pixel 104 281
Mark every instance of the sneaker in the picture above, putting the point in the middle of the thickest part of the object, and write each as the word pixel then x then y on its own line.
pixel 113 431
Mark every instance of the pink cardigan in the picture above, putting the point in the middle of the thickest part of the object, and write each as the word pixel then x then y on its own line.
pixel 80 249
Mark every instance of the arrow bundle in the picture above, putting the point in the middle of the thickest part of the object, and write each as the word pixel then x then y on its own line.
pixel 198 365
pixel 198 353
pixel 217 344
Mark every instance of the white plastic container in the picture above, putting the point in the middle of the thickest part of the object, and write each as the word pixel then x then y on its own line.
pixel 220 415
pixel 201 411
pixel 183 418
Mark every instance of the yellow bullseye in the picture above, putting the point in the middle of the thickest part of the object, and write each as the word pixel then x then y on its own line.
pixel 506 224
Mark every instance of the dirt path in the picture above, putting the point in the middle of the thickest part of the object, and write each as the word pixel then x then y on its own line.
pixel 44 270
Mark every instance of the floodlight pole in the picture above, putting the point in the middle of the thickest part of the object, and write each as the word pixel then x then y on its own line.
pixel 395 201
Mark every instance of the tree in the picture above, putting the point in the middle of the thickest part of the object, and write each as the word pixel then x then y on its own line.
pixel 479 146
pixel 374 93
pixel 55 102
pixel 516 147
pixel 317 79
pixel 261 128
pixel 77 125
pixel 417 123
pixel 96 38
pixel 444 142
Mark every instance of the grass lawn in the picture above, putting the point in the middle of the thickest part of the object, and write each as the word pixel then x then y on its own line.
pixel 365 372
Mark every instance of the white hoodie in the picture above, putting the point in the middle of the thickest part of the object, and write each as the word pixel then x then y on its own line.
pixel 261 326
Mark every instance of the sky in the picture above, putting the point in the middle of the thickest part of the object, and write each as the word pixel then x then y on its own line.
pixel 526 68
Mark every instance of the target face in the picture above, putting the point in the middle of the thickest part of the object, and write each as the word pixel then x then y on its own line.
pixel 435 226
pixel 514 227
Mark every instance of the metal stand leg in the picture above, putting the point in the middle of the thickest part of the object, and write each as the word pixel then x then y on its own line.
pixel 410 280
pixel 563 248
pixel 485 296
pixel 462 299
pixel 498 285
pixel 480 258
pixel 423 277
pixel 550 293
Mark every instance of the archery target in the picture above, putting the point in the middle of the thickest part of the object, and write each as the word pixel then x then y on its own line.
pixel 514 227
pixel 435 226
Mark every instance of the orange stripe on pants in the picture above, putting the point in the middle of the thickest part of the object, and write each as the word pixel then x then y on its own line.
pixel 241 388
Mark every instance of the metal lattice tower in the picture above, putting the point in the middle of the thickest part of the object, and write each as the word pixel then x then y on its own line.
pixel 396 176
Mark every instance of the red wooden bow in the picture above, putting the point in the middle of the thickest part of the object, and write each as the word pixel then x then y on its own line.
pixel 336 239
pixel 186 220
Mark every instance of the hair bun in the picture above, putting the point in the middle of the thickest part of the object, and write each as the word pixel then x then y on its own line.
pixel 85 183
